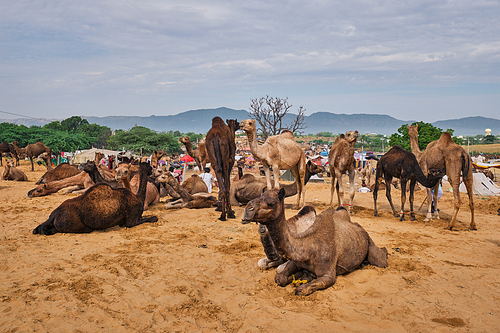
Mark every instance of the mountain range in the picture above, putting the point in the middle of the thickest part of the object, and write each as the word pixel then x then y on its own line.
pixel 200 121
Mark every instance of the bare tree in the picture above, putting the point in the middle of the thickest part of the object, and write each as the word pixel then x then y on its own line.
pixel 270 113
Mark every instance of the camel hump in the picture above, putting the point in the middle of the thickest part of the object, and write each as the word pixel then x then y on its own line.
pixel 446 137
pixel 287 132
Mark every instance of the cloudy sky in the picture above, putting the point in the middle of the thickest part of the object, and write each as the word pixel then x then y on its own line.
pixel 422 60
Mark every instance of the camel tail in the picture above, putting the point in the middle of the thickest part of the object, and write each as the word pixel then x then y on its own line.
pixel 465 165
pixel 218 157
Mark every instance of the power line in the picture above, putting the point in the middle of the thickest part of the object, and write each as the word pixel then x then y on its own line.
pixel 17 114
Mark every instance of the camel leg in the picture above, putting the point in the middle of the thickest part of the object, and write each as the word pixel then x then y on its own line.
pixel 299 180
pixel 332 189
pixel 340 188
pixel 429 203
pixel 388 182
pixel 284 273
pixel 352 189
pixel 413 182
pixel 468 185
pixel 455 184
pixel 435 215
pixel 321 282
pixel 276 175
pixel 32 167
pixel 273 258
pixel 378 180
pixel 403 199
pixel 267 172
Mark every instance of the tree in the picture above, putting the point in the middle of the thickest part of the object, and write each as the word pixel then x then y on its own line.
pixel 489 139
pixel 72 124
pixel 271 112
pixel 426 134
pixel 139 137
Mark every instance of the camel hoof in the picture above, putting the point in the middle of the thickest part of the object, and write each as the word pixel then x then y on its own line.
pixel 396 215
pixel 376 215
pixel 302 290
pixel 402 218
pixel 222 218
pixel 231 215
pixel 265 263
pixel 413 218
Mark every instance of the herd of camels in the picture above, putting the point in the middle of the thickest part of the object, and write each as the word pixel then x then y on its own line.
pixel 310 247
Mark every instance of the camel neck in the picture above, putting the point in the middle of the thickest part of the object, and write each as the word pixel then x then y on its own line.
pixel 281 236
pixel 252 140
pixel 415 149
pixel 189 148
pixel 126 183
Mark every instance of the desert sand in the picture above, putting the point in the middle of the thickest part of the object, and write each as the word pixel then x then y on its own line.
pixel 190 272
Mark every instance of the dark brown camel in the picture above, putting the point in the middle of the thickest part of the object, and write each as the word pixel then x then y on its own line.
pixel 88 212
pixel 399 163
pixel 7 148
pixel 34 150
pixel 325 245
pixel 97 175
pixel 221 149
pixel 63 170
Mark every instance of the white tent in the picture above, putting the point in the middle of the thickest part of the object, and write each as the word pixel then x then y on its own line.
pixel 481 185
pixel 89 155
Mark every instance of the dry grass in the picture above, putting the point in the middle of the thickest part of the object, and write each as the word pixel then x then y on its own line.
pixel 493 148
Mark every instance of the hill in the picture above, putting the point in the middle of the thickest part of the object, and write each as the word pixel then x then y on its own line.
pixel 200 121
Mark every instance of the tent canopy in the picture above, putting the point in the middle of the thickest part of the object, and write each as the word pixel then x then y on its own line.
pixel 89 155
pixel 187 158
pixel 481 185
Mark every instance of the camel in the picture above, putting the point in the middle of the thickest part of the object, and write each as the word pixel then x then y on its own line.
pixel 11 173
pixel 195 184
pixel 63 170
pixel 132 184
pixel 34 150
pixel 98 175
pixel 445 154
pixel 250 187
pixel 7 148
pixel 156 156
pixel 366 172
pixel 221 148
pixel 199 154
pixel 81 180
pixel 399 163
pixel 98 157
pixel 87 212
pixel 326 245
pixel 341 160
pixel 187 200
pixel 279 152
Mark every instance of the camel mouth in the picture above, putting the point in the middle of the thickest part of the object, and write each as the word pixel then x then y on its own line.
pixel 246 221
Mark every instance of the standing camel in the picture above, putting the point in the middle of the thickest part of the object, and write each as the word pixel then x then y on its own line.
pixel 221 149
pixel 341 160
pixel 399 163
pixel 445 154
pixel 199 154
pixel 10 149
pixel 34 150
pixel 279 152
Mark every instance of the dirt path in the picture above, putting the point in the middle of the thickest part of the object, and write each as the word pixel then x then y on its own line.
pixel 189 272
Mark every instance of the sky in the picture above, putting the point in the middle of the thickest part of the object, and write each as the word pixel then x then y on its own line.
pixel 413 60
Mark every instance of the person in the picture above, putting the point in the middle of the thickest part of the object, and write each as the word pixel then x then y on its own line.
pixel 175 174
pixel 440 193
pixel 207 178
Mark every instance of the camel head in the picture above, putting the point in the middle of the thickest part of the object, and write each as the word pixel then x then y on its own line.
pixel 266 208
pixel 122 172
pixel 233 124
pixel 313 168
pixel 352 136
pixel 413 130
pixel 38 191
pixel 248 125
pixel 166 178
pixel 184 139
pixel 88 166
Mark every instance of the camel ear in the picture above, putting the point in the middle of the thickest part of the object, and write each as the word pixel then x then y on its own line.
pixel 408 125
pixel 281 194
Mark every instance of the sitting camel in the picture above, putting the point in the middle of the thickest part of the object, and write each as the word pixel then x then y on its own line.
pixel 199 154
pixel 87 212
pixel 445 154
pixel 34 150
pixel 10 172
pixel 80 181
pixel 195 184
pixel 366 172
pixel 326 245
pixel 221 149
pixel 341 160
pixel 152 194
pixel 187 200
pixel 279 152
pixel 399 163
pixel 63 170
pixel 98 175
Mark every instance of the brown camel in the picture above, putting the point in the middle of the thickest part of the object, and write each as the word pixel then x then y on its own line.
pixel 221 148
pixel 99 175
pixel 156 156
pixel 445 154
pixel 195 184
pixel 81 180
pixel 187 200
pixel 7 148
pixel 341 160
pixel 11 173
pixel 98 157
pixel 34 150
pixel 279 152
pixel 326 245
pixel 87 212
pixel 63 170
pixel 250 187
pixel 199 154
pixel 132 184
pixel 399 163
pixel 366 172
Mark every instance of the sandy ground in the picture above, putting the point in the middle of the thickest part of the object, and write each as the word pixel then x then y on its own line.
pixel 189 272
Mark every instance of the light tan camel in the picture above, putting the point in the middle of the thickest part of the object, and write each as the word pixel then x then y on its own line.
pixel 341 160
pixel 156 156
pixel 279 152
pixel 34 150
pixel 132 184
pixel 366 172
pixel 199 154
pixel 445 154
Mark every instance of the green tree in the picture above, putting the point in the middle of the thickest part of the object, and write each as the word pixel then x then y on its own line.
pixel 426 134
pixel 139 137
pixel 489 139
pixel 72 124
